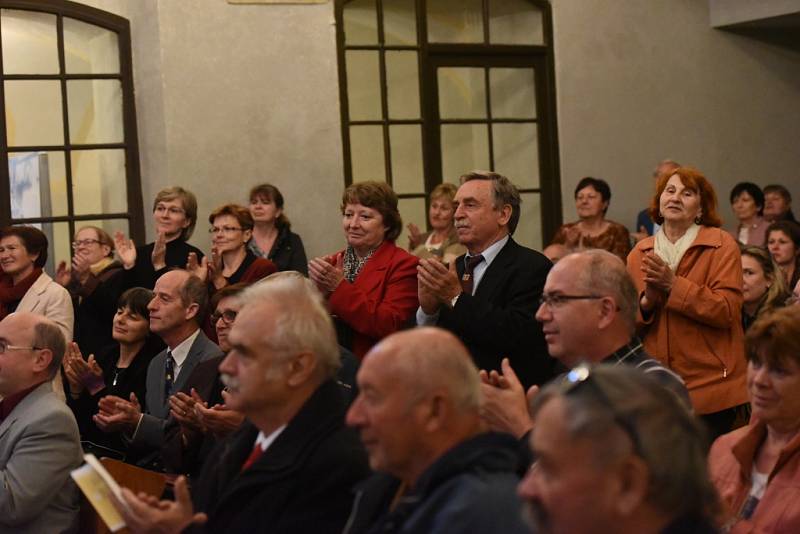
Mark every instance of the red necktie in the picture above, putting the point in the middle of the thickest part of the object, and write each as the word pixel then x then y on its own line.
pixel 467 282
pixel 255 455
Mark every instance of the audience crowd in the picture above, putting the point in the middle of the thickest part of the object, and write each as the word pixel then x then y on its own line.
pixel 468 384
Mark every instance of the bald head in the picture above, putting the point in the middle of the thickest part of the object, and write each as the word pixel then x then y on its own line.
pixel 39 348
pixel 428 359
pixel 419 397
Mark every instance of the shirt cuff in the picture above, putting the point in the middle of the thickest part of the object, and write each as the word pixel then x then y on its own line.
pixel 423 319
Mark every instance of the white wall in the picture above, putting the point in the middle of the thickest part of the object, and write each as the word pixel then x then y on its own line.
pixel 228 95
pixel 641 81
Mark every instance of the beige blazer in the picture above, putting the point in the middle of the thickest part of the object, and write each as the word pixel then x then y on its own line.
pixel 46 297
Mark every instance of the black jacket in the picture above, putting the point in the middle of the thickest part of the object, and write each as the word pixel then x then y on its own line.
pixel 301 484
pixel 470 489
pixel 498 321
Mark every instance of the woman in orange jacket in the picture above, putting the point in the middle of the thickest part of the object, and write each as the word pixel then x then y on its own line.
pixel 689 277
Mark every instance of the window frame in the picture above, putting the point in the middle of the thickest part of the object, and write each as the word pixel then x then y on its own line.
pixel 472 54
pixel 130 144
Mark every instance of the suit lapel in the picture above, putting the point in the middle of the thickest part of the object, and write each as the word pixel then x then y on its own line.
pixel 195 355
pixel 493 275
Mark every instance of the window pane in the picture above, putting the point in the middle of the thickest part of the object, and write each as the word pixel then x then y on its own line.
pixel 462 93
pixel 402 85
pixel 407 173
pixel 360 23
pixel 33 113
pixel 529 230
pixel 363 85
pixel 366 153
pixel 109 225
pixel 89 49
pixel 465 147
pixel 412 210
pixel 38 184
pixel 60 244
pixel 513 93
pixel 455 21
pixel 95 111
pixel 30 45
pixel 399 22
pixel 516 22
pixel 98 181
pixel 516 153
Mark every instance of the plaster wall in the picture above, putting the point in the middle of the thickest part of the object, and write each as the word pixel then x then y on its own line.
pixel 228 95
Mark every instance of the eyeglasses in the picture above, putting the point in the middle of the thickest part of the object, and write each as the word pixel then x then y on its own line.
pixel 228 316
pixel 227 230
pixel 556 300
pixel 172 210
pixel 84 242
pixel 5 346
pixel 582 376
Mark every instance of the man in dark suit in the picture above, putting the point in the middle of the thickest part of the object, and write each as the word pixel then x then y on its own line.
pixel 39 443
pixel 176 312
pixel 291 466
pixel 489 297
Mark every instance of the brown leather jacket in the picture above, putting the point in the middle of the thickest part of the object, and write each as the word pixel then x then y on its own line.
pixel 698 331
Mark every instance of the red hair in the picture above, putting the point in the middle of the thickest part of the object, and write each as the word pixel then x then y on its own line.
pixel 694 180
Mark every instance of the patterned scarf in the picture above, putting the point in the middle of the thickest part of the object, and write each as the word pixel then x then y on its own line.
pixel 353 264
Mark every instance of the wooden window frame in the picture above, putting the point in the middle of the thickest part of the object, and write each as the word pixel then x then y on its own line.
pixel 120 26
pixel 467 54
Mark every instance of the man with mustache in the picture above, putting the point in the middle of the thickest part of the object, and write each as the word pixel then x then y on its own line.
pixel 292 464
pixel 487 298
pixel 615 454
pixel 438 471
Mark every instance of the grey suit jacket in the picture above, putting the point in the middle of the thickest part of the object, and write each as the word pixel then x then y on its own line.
pixel 150 433
pixel 39 446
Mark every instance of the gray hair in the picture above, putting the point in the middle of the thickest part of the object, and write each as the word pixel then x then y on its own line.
pixel 671 442
pixel 607 275
pixel 47 335
pixel 303 323
pixel 503 192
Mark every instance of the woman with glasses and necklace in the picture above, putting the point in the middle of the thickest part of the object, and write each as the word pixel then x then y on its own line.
pixel 92 282
pixel 689 279
pixel 175 216
pixel 231 261
pixel 118 369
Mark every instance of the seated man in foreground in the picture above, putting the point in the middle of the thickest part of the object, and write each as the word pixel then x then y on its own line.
pixel 291 466
pixel 615 454
pixel 417 412
pixel 39 441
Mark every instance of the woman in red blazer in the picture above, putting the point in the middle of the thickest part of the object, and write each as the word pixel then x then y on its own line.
pixel 371 285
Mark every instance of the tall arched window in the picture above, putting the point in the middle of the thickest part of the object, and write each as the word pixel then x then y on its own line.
pixel 69 146
pixel 431 89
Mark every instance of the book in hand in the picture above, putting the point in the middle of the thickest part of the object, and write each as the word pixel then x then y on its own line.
pixel 98 485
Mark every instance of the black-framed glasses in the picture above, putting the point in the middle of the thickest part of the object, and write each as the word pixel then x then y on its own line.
pixel 228 316
pixel 172 210
pixel 84 242
pixel 224 229
pixel 582 376
pixel 554 300
pixel 4 346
